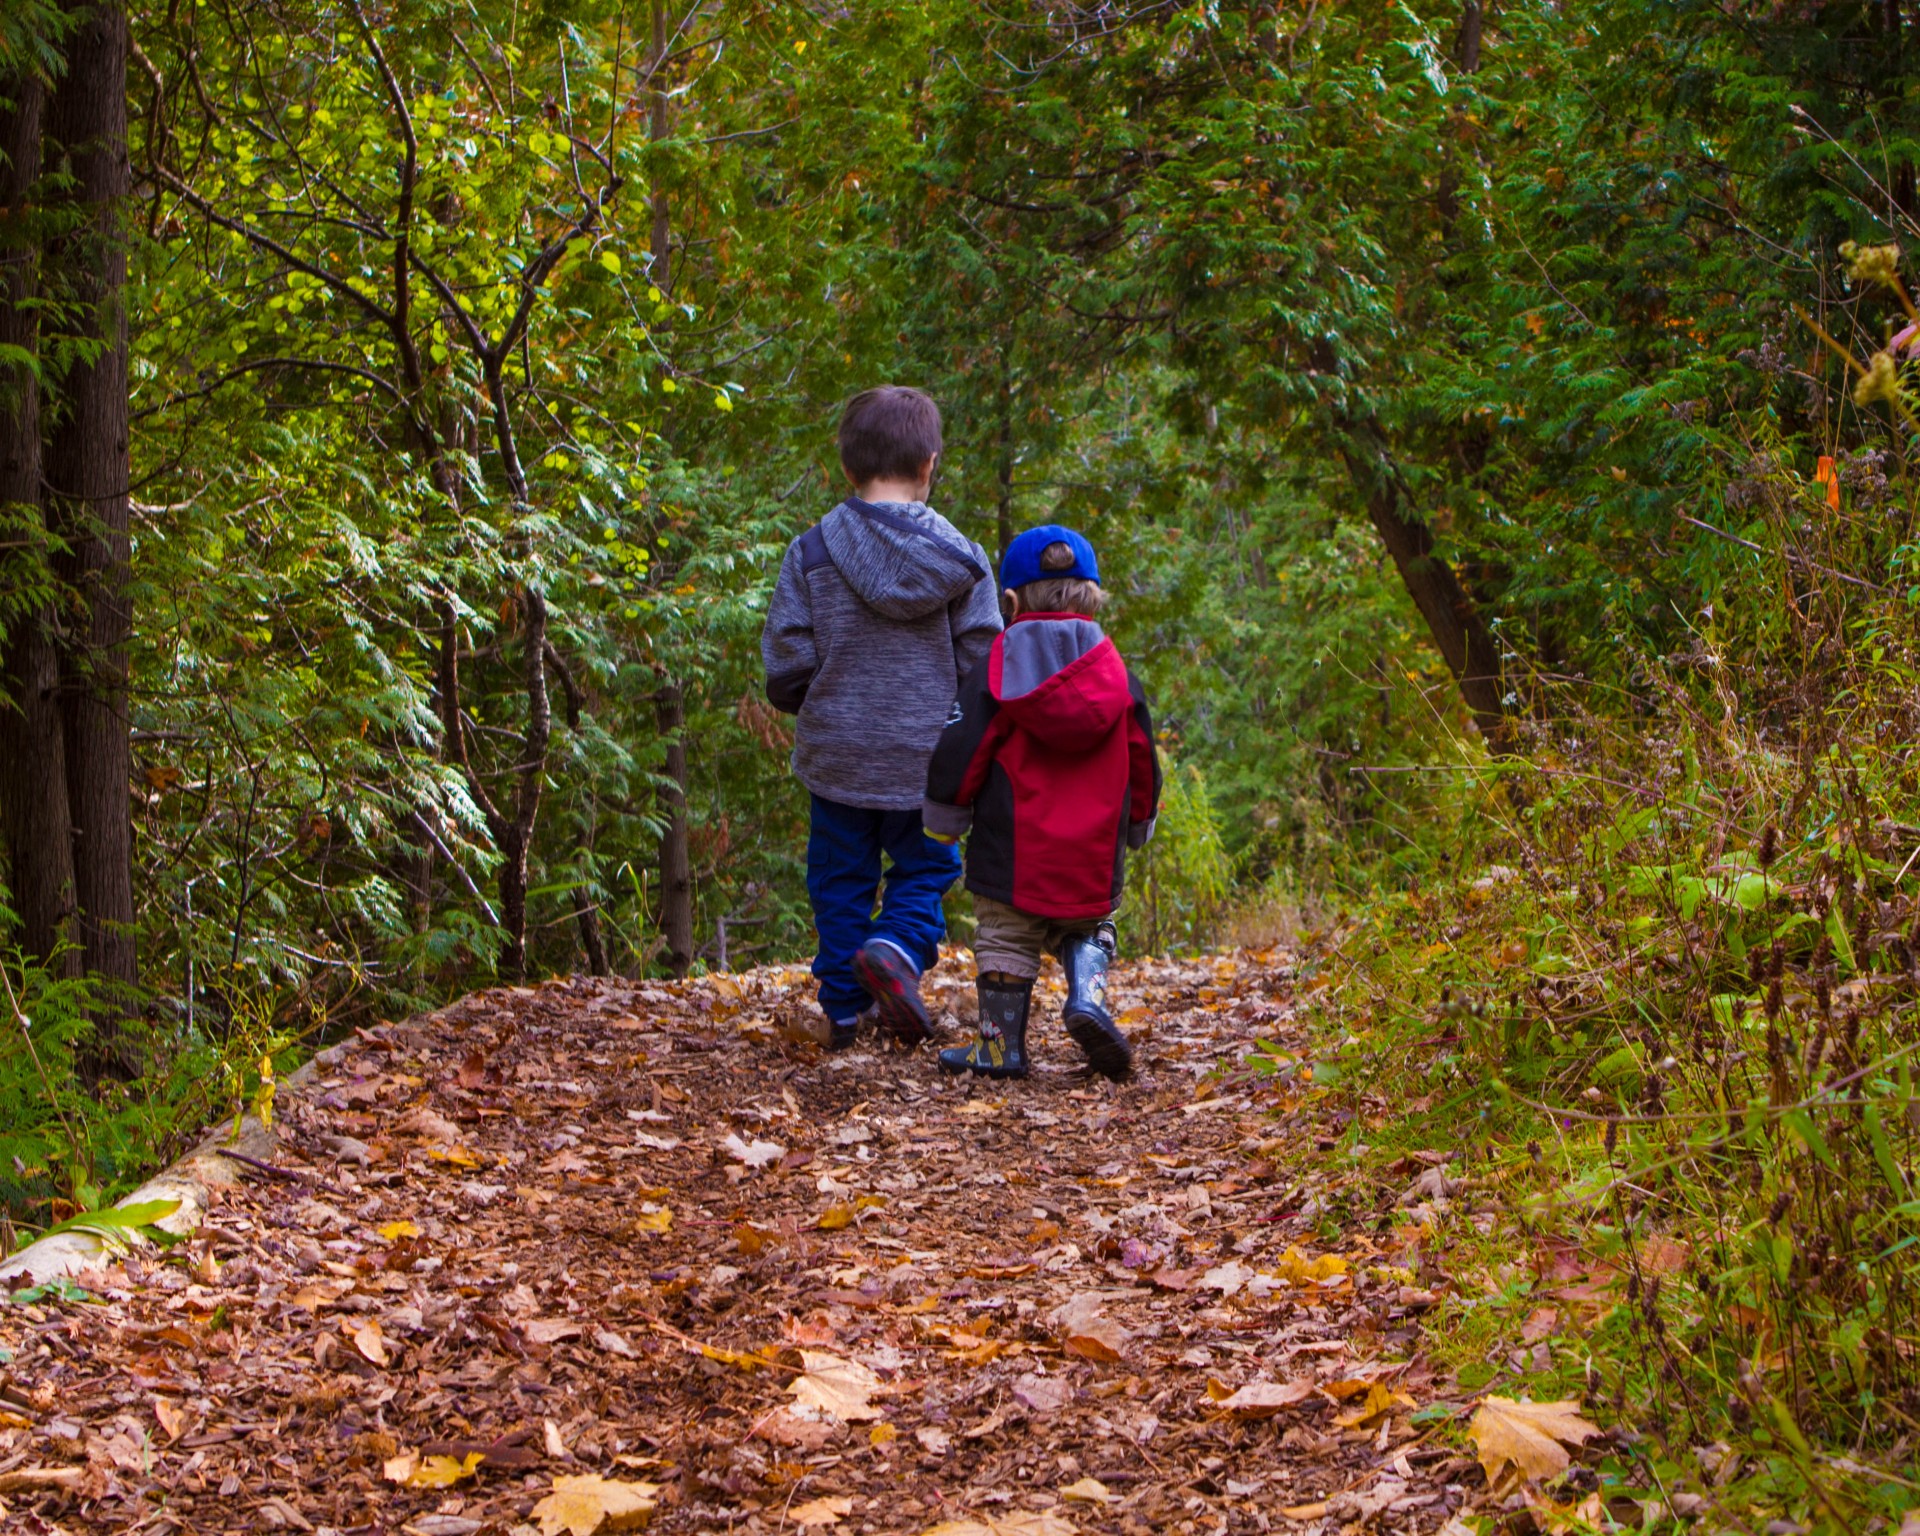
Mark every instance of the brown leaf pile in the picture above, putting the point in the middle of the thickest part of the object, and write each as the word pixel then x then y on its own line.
pixel 572 1257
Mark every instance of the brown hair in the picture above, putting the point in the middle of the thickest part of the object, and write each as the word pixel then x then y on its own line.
pixel 889 433
pixel 1060 594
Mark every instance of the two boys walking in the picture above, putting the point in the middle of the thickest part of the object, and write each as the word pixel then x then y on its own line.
pixel 930 708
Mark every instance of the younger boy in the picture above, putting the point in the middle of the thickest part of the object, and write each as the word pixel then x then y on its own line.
pixel 1050 760
pixel 881 608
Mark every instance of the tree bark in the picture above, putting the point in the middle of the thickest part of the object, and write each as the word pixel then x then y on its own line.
pixel 676 875
pixel 34 816
pixel 87 474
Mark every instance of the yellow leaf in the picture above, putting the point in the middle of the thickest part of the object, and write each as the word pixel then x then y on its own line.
pixel 582 1506
pixel 820 1512
pixel 834 1217
pixel 1530 1436
pixel 1379 1399
pixel 1089 1490
pixel 394 1230
pixel 654 1218
pixel 882 1434
pixel 444 1471
pixel 835 1386
pixel 460 1157
pixel 1297 1269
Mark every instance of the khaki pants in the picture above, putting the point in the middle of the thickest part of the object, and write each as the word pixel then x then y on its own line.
pixel 1011 942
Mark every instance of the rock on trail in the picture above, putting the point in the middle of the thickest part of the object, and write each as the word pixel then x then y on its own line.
pixel 596 1253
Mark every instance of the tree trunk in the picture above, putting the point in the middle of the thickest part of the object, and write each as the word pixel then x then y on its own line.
pixel 87 473
pixel 1457 626
pixel 34 817
pixel 656 131
pixel 676 875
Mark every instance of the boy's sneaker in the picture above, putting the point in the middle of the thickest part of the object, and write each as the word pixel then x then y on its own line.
pixel 883 968
pixel 844 1036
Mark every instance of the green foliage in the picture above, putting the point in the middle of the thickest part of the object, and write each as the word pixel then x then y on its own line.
pixel 1182 878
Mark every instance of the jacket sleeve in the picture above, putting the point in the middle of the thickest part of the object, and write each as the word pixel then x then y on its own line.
pixel 974 618
pixel 964 754
pixel 787 647
pixel 1143 769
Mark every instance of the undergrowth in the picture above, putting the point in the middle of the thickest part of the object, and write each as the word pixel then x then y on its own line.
pixel 1659 997
pixel 71 1143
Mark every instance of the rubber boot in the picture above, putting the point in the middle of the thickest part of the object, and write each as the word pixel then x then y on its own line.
pixel 1086 958
pixel 1001 1049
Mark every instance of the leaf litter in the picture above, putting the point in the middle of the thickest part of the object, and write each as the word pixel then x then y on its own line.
pixel 578 1256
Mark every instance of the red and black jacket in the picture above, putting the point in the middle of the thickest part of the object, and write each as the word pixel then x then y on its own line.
pixel 1049 757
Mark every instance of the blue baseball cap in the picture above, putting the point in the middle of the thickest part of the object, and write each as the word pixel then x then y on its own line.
pixel 1021 564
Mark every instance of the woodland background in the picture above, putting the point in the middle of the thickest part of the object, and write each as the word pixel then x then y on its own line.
pixel 1485 414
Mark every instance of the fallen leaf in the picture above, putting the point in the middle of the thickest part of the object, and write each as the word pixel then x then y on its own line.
pixel 1303 1511
pixel 1089 1490
pixel 654 1218
pixel 33 1479
pixel 1228 1279
pixel 428 1125
pixel 755 1154
pixel 1263 1399
pixel 444 1471
pixel 556 1447
pixel 582 1506
pixel 612 1343
pixel 1297 1269
pixel 172 1417
pixel 835 1386
pixel 805 1429
pixel 1045 1523
pixel 551 1330
pixel 368 1339
pixel 394 1230
pixel 473 1071
pixel 1084 1331
pixel 882 1434
pixel 1379 1399
pixel 934 1440
pixel 1527 1435
pixel 1540 1323
pixel 834 1217
pixel 1043 1394
pixel 821 1512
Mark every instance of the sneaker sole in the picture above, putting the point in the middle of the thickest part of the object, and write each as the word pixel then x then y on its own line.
pixel 996 1074
pixel 898 1016
pixel 1106 1052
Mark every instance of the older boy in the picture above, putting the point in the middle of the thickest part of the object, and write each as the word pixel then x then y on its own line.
pixel 1050 760
pixel 881 608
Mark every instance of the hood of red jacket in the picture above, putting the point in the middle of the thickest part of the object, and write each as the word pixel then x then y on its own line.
pixel 1060 679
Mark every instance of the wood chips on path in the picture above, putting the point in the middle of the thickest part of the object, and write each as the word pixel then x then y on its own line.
pixel 596 1254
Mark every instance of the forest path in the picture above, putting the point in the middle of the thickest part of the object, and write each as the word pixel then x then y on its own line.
pixel 629 1231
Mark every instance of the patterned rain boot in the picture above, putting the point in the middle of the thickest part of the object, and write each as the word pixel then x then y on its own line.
pixel 1086 958
pixel 1001 1050
pixel 882 967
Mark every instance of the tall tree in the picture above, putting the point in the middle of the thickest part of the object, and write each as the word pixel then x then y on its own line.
pixel 34 815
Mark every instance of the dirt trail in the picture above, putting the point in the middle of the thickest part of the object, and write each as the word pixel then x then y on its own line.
pixel 629 1230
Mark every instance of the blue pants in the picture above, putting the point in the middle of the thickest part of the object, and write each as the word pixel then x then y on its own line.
pixel 843 882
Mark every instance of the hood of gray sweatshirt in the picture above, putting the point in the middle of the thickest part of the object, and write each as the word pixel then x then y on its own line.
pixel 902 559
pixel 880 610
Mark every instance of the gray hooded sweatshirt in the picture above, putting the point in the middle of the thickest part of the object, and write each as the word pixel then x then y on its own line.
pixel 881 609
